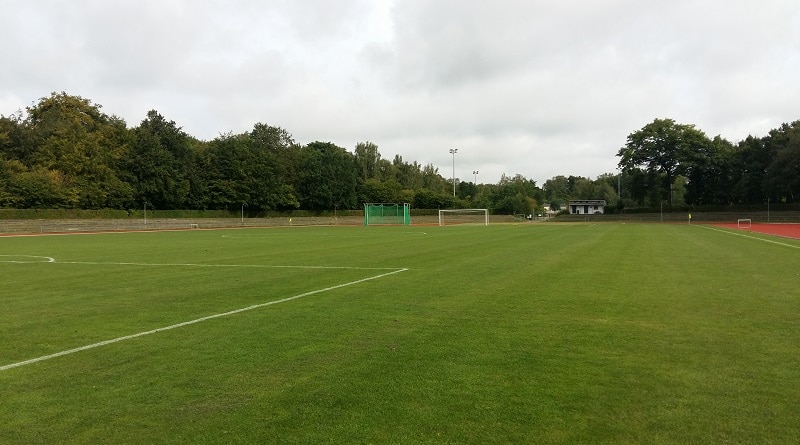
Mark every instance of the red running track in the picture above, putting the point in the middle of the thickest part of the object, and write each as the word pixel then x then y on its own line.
pixel 784 230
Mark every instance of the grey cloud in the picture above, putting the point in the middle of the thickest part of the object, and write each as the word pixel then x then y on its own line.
pixel 530 87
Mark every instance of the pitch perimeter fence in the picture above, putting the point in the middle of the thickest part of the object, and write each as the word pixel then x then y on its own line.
pixel 697 217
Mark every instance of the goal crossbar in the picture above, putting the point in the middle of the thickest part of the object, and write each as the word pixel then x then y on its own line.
pixel 464 216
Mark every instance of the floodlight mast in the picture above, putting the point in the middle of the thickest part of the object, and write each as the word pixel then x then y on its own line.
pixel 453 152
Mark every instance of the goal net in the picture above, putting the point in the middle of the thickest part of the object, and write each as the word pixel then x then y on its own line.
pixel 464 216
pixel 745 223
pixel 387 214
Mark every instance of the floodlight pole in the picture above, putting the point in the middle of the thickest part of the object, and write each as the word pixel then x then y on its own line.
pixel 453 152
pixel 475 172
pixel 145 213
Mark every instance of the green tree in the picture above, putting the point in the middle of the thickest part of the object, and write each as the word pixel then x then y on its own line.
pixel 377 191
pixel 367 158
pixel 429 199
pixel 229 177
pixel 409 175
pixel 160 163
pixel 248 169
pixel 751 160
pixel 329 177
pixel 783 172
pixel 82 147
pixel 663 147
pixel 433 181
pixel 282 159
pixel 516 195
pixel 40 189
pixel 557 191
pixel 709 175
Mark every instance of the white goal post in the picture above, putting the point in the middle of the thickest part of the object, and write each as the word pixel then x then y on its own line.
pixel 744 223
pixel 464 216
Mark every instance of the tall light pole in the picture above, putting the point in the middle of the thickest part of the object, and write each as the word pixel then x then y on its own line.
pixel 453 152
pixel 475 172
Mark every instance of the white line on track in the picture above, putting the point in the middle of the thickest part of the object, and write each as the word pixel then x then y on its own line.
pixel 195 321
pixel 748 236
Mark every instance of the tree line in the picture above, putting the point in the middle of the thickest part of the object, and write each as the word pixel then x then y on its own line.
pixel 678 164
pixel 64 152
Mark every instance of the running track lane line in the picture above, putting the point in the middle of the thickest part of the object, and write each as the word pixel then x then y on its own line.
pixel 190 322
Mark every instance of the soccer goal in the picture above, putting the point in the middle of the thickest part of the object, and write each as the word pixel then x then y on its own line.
pixel 387 214
pixel 464 216
pixel 744 223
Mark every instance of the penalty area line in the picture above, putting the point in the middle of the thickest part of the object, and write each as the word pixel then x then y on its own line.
pixel 195 321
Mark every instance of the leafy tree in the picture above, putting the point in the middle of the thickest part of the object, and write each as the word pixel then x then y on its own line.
pixel 40 189
pixel 229 177
pixel 467 191
pixel 12 134
pixel 367 158
pixel 160 163
pixel 428 199
pixel 374 190
pixel 9 171
pixel 751 160
pixel 663 147
pixel 516 195
pixel 783 173
pixel 386 171
pixel 433 181
pixel 409 175
pixel 282 159
pixel 557 191
pixel 329 179
pixel 72 139
pixel 246 171
pixel 709 175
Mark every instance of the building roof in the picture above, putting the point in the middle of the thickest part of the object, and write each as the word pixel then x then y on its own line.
pixel 587 201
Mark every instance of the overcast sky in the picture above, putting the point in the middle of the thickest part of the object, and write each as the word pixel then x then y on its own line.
pixel 537 88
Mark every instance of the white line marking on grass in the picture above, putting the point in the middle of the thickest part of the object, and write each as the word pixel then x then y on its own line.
pixel 195 321
pixel 264 266
pixel 748 236
pixel 34 259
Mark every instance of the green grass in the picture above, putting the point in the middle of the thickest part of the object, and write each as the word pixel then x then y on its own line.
pixel 608 333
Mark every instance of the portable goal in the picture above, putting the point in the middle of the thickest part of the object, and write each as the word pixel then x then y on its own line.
pixel 464 216
pixel 744 223
pixel 387 214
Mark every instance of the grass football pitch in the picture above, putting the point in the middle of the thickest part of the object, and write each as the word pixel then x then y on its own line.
pixel 528 333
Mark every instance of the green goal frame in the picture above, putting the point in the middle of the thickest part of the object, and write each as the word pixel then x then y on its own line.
pixel 387 214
